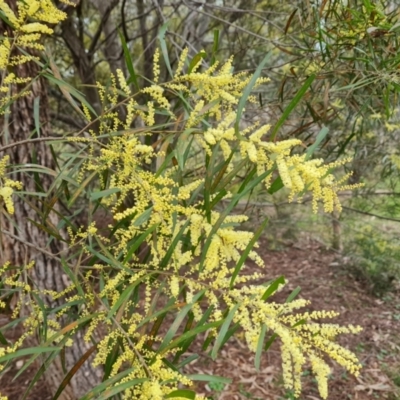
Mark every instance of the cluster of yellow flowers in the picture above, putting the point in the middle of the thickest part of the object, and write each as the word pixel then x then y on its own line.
pixel 218 88
pixel 31 323
pixel 155 379
pixel 7 186
pixel 26 34
pixel 36 320
pixel 300 335
pixel 171 218
pixel 298 174
pixel 191 250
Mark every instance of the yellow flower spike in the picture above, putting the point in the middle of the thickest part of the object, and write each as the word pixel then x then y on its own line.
pixel 156 92
pixel 174 286
pixel 321 370
pixel 150 121
pixel 256 136
pixel 156 66
pixel 195 114
pixel 252 152
pixel 284 172
pixel 209 137
pixel 6 194
pixel 181 63
pixel 36 27
pixel 9 14
pixel 5 50
pixel 122 82
pixel 34 6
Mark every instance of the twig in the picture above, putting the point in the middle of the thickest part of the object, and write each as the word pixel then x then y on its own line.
pixel 28 141
pixel 51 255
pixel 370 214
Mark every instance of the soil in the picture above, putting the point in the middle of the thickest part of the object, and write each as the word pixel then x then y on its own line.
pixel 323 280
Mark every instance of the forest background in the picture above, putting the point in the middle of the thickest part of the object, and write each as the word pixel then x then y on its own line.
pixel 90 271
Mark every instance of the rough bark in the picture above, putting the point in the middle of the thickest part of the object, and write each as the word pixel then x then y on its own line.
pixel 23 241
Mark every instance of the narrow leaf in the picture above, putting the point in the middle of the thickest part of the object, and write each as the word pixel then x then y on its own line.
pixel 293 294
pixel 164 49
pixel 215 46
pixel 290 20
pixel 73 371
pixel 247 90
pixel 103 193
pixel 191 333
pixel 277 184
pixel 81 188
pixel 3 340
pixel 120 388
pixel 178 321
pixel 27 352
pixel 223 331
pixel 137 242
pixel 144 217
pixel 270 341
pixel 196 59
pixel 260 345
pixel 181 393
pixel 123 297
pixel 129 63
pixel 67 89
pixel 36 117
pixel 273 287
pixel 246 252
pixel 209 378
pixel 172 246
pixel 186 361
pixel 320 137
pixel 296 99
pixel 109 382
pixel 187 342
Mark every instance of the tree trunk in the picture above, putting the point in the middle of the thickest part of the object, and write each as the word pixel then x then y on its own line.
pixel 23 241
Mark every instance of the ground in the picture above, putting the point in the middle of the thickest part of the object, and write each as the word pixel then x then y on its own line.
pixel 323 280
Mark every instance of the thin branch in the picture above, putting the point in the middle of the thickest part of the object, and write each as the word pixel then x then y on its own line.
pixel 66 119
pixel 51 255
pixel 370 214
pixel 29 141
